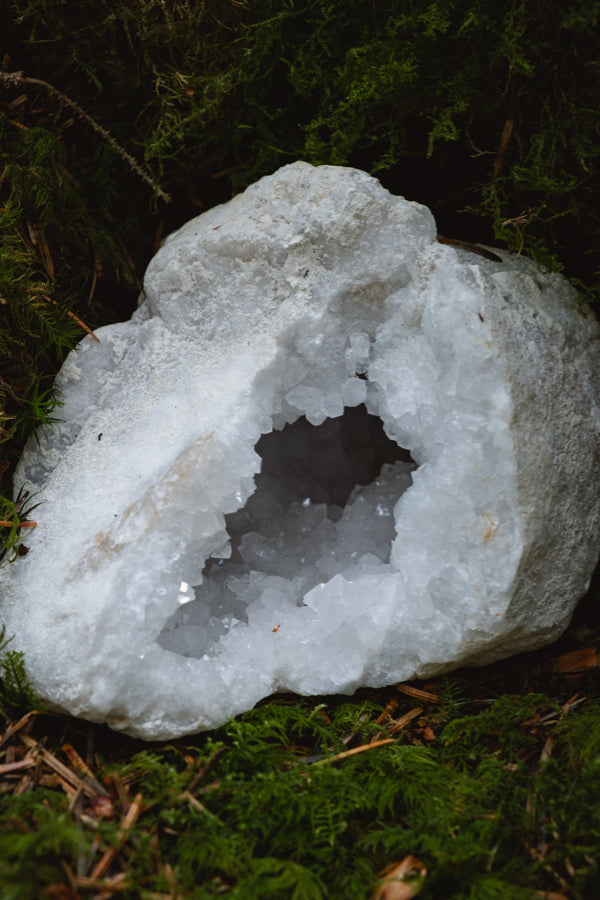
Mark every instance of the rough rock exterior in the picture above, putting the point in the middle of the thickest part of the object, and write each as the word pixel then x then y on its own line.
pixel 314 291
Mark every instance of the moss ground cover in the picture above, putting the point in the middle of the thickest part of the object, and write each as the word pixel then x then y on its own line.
pixel 486 111
pixel 489 780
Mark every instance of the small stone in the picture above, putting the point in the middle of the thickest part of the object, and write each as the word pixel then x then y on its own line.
pixel 425 423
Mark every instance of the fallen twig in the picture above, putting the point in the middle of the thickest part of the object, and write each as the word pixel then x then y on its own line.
pixel 58 767
pixel 503 146
pixel 79 321
pixel 404 720
pixel 201 775
pixel 15 79
pixel 355 750
pixel 15 766
pixel 417 693
pixel 8 524
pixel 109 855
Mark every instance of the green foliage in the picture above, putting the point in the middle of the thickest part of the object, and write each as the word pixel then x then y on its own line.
pixel 255 84
pixel 208 97
pixel 36 832
pixel 49 251
pixel 13 515
pixel 16 693
pixel 467 736
pixel 252 811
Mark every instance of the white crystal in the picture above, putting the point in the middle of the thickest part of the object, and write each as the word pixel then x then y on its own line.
pixel 156 599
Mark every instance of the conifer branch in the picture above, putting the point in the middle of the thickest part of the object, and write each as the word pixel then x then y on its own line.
pixel 15 79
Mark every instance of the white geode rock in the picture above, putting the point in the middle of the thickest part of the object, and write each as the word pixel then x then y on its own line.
pixel 314 291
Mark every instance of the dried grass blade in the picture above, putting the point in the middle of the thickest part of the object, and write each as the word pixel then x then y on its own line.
pixel 6 768
pixel 201 775
pixel 13 729
pixel 82 324
pixel 8 524
pixel 194 803
pixel 83 769
pixel 129 819
pixel 58 767
pixel 417 693
pixel 354 751
pixel 106 887
pixel 503 146
pixel 387 713
pixel 405 720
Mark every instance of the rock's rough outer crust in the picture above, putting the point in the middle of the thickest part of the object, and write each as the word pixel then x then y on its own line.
pixel 488 372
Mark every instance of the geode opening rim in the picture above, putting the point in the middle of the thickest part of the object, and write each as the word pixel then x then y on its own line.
pixel 294 257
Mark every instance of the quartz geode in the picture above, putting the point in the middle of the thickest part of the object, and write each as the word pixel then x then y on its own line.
pixel 320 308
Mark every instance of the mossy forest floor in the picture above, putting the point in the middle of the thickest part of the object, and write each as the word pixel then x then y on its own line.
pixel 482 785
pixel 121 119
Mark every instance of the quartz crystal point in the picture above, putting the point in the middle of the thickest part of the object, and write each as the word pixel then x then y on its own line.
pixel 139 604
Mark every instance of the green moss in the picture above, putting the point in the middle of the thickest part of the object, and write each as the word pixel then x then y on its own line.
pixel 36 832
pixel 208 97
pixel 16 693
pixel 270 821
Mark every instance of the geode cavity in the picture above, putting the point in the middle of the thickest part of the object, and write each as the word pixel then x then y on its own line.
pixel 155 598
